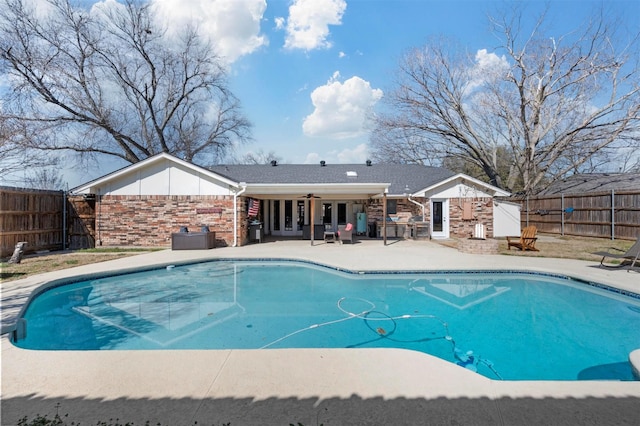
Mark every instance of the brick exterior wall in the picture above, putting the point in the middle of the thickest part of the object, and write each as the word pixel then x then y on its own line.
pixel 149 220
pixel 482 212
pixel 405 210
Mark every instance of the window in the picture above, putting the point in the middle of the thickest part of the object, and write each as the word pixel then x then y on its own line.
pixel 300 214
pixel 326 213
pixel 342 214
pixel 392 206
pixel 276 215
pixel 288 215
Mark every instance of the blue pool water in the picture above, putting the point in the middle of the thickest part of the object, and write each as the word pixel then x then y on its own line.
pixel 511 326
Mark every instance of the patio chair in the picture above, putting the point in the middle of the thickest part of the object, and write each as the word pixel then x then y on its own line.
pixel 330 236
pixel 345 233
pixel 632 255
pixel 526 241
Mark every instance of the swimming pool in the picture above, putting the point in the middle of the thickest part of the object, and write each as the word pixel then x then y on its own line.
pixel 504 325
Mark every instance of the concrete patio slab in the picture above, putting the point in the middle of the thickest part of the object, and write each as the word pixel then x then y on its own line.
pixel 309 386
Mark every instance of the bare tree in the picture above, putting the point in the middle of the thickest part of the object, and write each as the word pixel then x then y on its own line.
pixel 405 146
pixel 259 157
pixel 627 161
pixel 45 178
pixel 552 102
pixel 111 81
pixel 15 160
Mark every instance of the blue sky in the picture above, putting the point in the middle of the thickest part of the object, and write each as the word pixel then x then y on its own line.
pixel 307 72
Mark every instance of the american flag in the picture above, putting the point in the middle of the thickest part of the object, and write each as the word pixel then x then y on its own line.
pixel 254 207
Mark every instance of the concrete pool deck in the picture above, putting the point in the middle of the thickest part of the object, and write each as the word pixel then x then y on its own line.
pixel 308 386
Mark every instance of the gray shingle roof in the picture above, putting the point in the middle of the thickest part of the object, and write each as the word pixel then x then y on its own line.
pixel 594 182
pixel 400 176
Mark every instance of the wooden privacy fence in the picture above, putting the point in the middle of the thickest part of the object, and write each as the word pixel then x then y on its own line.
pixel 614 215
pixel 44 221
pixel 31 215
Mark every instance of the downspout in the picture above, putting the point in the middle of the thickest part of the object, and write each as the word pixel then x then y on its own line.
pixel 235 212
pixel 99 224
pixel 417 204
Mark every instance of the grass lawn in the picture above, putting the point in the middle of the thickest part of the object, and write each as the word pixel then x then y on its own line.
pixel 33 264
pixel 563 247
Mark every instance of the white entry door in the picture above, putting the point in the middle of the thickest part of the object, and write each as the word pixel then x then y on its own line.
pixel 439 218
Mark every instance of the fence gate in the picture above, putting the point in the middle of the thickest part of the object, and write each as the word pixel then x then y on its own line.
pixel 81 222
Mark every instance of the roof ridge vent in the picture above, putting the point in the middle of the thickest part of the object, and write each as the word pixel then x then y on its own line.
pixel 274 163
pixel 368 163
pixel 323 163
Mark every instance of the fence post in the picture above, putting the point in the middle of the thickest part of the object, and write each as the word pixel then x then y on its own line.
pixel 562 214
pixel 64 220
pixel 613 214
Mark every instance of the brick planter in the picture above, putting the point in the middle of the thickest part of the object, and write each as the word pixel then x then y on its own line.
pixel 478 246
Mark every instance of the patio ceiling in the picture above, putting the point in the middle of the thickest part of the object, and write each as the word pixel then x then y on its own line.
pixel 325 190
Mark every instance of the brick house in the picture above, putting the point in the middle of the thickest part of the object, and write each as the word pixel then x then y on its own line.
pixel 144 203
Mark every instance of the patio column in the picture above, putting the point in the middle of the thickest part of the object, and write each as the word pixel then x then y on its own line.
pixel 384 217
pixel 311 218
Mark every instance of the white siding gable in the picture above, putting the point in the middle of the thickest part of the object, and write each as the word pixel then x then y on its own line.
pixel 460 186
pixel 460 190
pixel 166 178
pixel 162 175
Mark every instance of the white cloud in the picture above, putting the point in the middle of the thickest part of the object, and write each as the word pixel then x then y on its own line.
pixel 279 23
pixel 309 20
pixel 341 55
pixel 42 8
pixel 312 158
pixel 359 154
pixel 102 8
pixel 356 155
pixel 490 61
pixel 233 26
pixel 488 66
pixel 340 108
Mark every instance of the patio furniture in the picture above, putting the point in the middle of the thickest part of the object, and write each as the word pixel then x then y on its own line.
pixel 526 241
pixel 632 255
pixel 193 240
pixel 345 233
pixel 318 231
pixel 420 230
pixel 330 236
